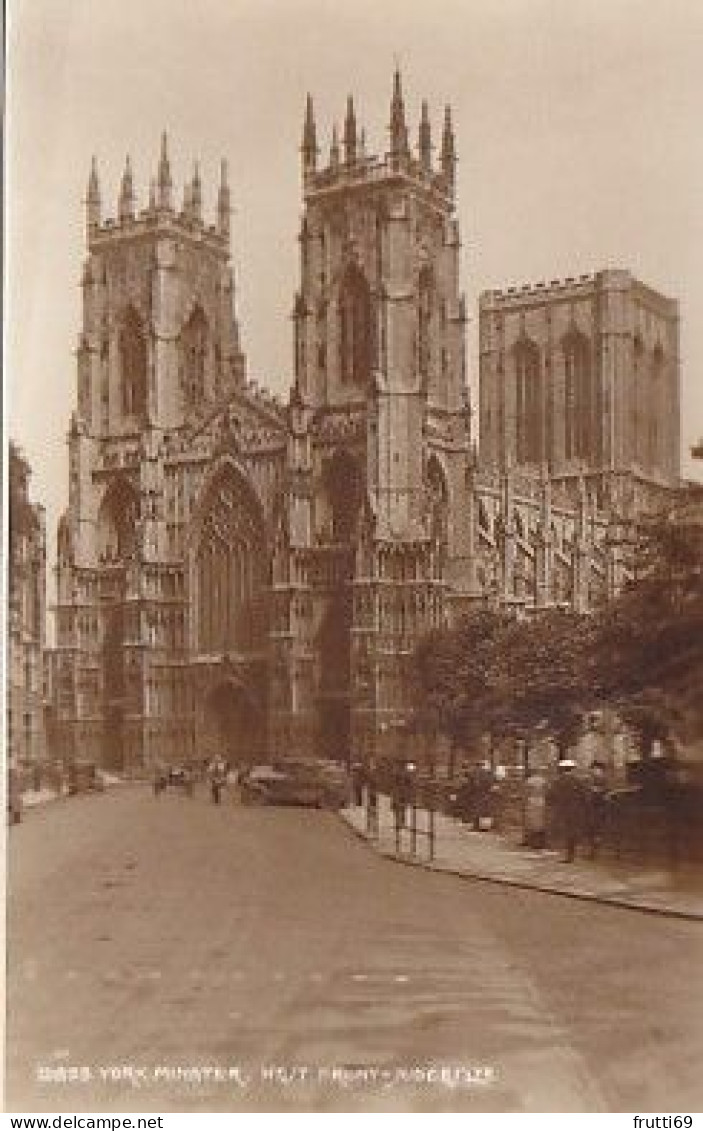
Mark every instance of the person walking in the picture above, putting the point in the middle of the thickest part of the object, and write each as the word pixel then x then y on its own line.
pixel 535 810
pixel 596 805
pixel 218 777
pixel 372 826
pixel 160 779
pixel 568 797
pixel 482 781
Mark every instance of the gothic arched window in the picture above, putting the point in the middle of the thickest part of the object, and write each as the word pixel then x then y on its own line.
pixel 579 435
pixel 117 523
pixel 343 491
pixel 133 365
pixel 194 343
pixel 655 408
pixel 638 402
pixel 231 569
pixel 528 409
pixel 424 322
pixel 355 335
pixel 437 503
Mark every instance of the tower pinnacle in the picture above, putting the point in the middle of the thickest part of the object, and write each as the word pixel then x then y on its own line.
pixel 93 197
pixel 448 152
pixel 196 194
pixel 223 202
pixel 350 133
pixel 425 139
pixel 334 148
pixel 164 181
pixel 398 128
pixel 309 147
pixel 125 205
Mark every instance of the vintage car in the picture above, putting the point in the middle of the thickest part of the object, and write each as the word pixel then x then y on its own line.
pixel 317 784
pixel 84 777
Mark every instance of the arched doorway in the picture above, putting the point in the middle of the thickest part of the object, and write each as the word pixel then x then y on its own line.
pixel 232 725
pixel 117 546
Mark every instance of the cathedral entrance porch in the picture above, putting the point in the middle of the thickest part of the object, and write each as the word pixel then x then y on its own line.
pixel 229 721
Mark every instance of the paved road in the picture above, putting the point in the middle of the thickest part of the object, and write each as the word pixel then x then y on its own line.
pixel 157 935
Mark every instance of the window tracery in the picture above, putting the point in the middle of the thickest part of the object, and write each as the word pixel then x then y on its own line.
pixel 528 392
pixel 133 365
pixel 231 571
pixel 424 322
pixel 355 332
pixel 579 398
pixel 194 347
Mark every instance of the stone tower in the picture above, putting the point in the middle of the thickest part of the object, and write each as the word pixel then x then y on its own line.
pixel 379 424
pixel 157 352
pixel 582 375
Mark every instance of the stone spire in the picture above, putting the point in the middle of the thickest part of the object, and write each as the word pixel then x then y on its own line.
pixel 196 194
pixel 308 149
pixel 125 205
pixel 164 181
pixel 448 152
pixel 399 130
pixel 334 149
pixel 93 198
pixel 350 133
pixel 425 139
pixel 223 202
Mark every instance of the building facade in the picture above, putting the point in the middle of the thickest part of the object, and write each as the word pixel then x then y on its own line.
pixel 26 578
pixel 240 576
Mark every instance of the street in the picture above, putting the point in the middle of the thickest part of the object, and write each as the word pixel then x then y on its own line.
pixel 150 936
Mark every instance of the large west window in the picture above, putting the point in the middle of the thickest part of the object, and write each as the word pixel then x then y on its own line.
pixel 230 569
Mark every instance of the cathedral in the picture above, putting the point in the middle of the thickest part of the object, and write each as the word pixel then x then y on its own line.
pixel 244 577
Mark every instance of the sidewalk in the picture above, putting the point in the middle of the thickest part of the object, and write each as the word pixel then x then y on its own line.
pixel 499 858
pixel 34 797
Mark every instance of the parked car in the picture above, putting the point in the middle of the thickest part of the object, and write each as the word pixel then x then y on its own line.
pixel 84 777
pixel 182 777
pixel 321 785
pixel 14 796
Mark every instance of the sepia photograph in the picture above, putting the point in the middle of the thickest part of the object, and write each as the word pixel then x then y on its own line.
pixel 353 558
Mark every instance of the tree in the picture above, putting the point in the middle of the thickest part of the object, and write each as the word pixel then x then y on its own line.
pixel 507 677
pixel 495 673
pixel 649 643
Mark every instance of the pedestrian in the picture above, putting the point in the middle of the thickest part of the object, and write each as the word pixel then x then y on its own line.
pixel 159 779
pixel 482 781
pixel 372 801
pixel 188 780
pixel 357 777
pixel 535 810
pixel 233 782
pixel 218 777
pixel 596 805
pixel 568 797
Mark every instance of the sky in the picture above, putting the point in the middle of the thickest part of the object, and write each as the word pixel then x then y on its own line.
pixel 578 138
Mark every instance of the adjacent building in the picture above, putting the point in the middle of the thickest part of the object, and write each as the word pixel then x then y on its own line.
pixel 26 579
